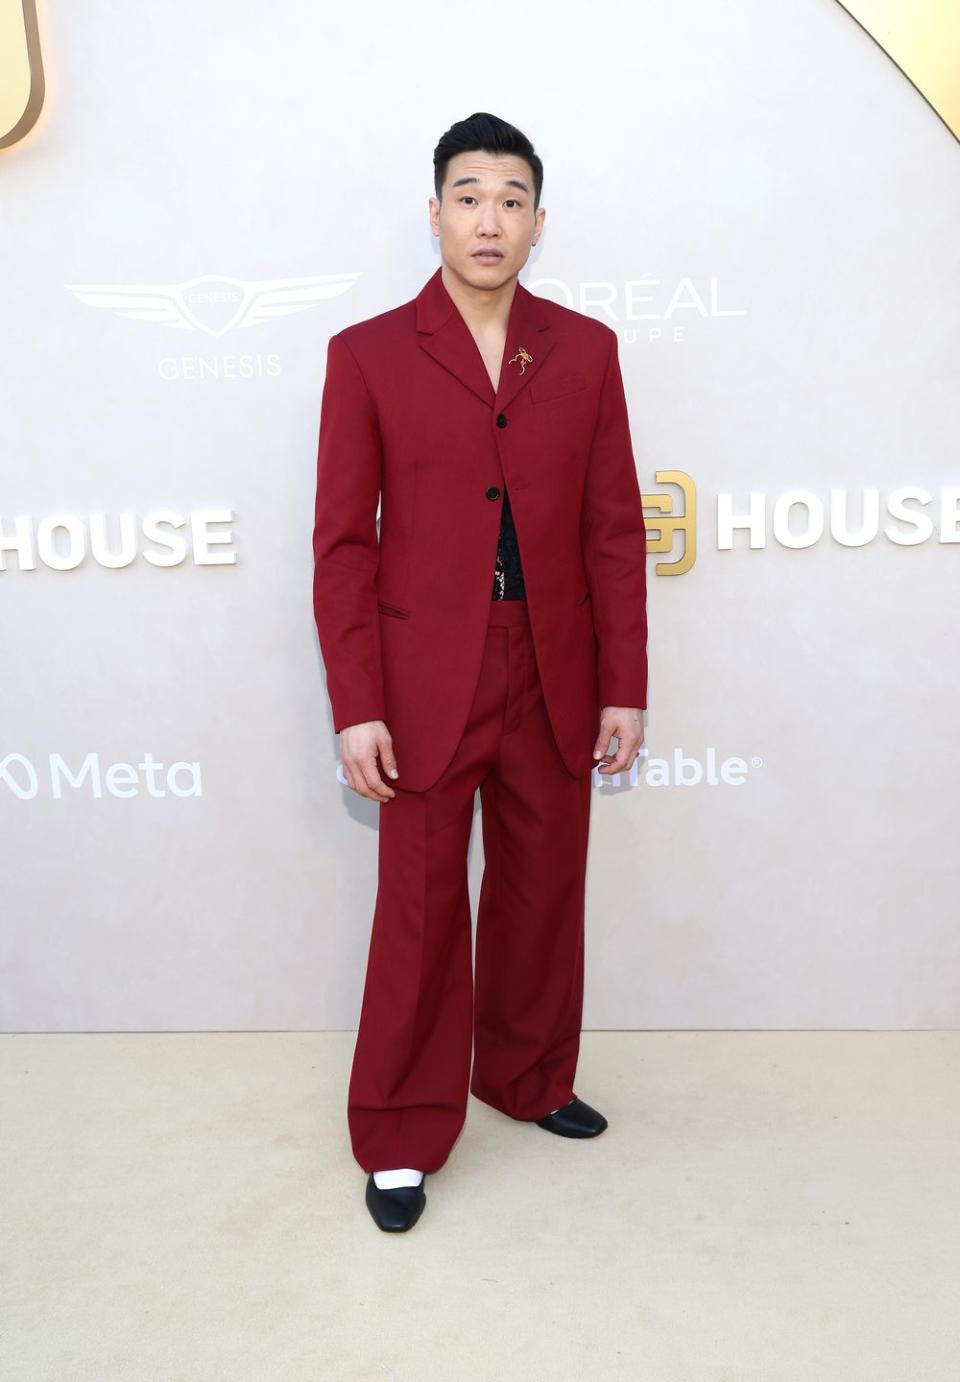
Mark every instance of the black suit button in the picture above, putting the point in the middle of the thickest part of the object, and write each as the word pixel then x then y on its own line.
pixel 493 492
pixel 501 420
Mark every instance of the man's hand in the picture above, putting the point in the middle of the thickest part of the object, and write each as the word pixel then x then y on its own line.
pixel 359 746
pixel 626 722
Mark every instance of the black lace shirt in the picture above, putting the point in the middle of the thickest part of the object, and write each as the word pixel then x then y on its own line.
pixel 508 573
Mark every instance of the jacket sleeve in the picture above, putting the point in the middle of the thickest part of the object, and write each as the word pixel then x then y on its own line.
pixel 346 550
pixel 614 541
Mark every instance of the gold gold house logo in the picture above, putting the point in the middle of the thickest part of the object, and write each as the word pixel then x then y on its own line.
pixel 21 70
pixel 670 519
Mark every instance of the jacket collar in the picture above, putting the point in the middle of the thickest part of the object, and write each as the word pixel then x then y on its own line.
pixel 444 334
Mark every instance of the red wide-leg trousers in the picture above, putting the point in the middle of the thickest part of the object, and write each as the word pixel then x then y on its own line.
pixel 423 1008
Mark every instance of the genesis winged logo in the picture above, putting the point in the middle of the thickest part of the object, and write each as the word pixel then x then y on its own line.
pixel 213 304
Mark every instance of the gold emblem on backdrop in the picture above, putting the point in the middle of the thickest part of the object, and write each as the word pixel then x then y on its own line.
pixel 667 527
pixel 21 70
pixel 922 38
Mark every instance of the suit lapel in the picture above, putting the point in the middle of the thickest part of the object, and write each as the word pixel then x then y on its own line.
pixel 443 334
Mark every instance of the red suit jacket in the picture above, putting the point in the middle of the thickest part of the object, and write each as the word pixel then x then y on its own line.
pixel 409 418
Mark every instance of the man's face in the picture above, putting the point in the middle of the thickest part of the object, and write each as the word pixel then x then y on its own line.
pixel 487 205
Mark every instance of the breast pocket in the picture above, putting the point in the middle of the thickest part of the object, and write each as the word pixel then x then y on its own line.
pixel 546 387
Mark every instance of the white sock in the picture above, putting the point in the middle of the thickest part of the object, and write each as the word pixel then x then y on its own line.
pixel 389 1180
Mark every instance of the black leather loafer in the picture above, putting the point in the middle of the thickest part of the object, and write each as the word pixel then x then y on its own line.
pixel 575 1119
pixel 398 1209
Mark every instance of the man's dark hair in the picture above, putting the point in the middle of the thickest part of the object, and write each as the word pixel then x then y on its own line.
pixel 491 135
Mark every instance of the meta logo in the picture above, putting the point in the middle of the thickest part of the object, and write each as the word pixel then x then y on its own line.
pixel 23 779
pixel 162 537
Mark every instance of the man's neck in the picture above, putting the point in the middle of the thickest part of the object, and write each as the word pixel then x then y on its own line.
pixel 483 309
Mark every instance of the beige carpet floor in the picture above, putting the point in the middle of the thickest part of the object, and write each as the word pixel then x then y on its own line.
pixel 764 1207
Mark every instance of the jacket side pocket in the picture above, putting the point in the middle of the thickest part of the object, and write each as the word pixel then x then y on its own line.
pixel 397 611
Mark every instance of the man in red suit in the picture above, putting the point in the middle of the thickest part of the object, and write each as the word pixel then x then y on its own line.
pixel 491 635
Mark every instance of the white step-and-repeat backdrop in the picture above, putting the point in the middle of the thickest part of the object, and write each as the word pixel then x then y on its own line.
pixel 766 211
